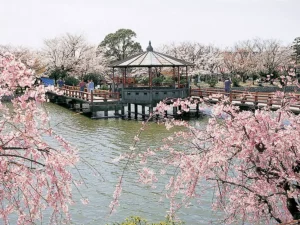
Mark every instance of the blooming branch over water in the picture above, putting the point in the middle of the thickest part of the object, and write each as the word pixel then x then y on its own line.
pixel 249 159
pixel 33 175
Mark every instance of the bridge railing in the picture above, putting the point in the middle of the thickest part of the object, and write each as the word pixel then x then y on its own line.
pixel 74 92
pixel 263 98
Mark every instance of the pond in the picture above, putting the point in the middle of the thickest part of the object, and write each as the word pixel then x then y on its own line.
pixel 101 141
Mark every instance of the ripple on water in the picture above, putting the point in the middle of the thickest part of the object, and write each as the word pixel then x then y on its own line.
pixel 99 142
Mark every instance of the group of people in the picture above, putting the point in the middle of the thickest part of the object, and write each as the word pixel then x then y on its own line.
pixel 90 85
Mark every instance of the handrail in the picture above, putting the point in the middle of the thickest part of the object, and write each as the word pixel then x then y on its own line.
pixel 74 92
pixel 243 96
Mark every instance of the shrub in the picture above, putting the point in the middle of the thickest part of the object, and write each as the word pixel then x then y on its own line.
pixel 136 220
pixel 202 78
pixel 235 82
pixel 104 87
pixel 183 81
pixel 168 80
pixel 212 82
pixel 93 76
pixel 143 80
pixel 157 80
pixel 254 76
pixel 265 74
pixel 72 81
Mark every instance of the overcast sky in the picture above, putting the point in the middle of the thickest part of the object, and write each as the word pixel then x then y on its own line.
pixel 219 22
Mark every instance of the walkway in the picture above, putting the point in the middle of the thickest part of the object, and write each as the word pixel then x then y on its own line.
pixel 97 96
pixel 247 99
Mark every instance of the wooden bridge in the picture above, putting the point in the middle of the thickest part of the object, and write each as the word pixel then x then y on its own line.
pixel 100 101
pixel 104 101
pixel 245 99
pixel 88 102
pixel 96 96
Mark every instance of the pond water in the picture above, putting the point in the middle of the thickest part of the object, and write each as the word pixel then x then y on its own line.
pixel 99 142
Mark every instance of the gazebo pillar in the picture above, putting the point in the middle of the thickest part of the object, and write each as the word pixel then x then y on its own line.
pixel 113 77
pixel 125 76
pixel 174 75
pixel 186 76
pixel 150 80
pixel 178 82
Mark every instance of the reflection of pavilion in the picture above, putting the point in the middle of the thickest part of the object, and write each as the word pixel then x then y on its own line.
pixel 150 95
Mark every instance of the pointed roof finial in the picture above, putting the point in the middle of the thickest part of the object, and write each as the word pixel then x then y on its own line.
pixel 149 48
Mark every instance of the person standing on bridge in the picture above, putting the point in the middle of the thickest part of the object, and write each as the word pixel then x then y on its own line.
pixel 81 87
pixel 60 83
pixel 227 84
pixel 91 86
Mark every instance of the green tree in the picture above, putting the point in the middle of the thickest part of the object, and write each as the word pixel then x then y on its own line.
pixel 120 45
pixel 93 76
pixel 71 81
pixel 58 74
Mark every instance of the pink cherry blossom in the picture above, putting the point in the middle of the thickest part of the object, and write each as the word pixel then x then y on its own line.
pixel 250 160
pixel 33 175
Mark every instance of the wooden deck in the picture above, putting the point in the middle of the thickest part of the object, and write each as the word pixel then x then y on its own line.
pixel 104 101
pixel 248 99
pixel 96 96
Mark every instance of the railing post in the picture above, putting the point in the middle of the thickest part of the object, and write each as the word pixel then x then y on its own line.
pixel 92 96
pixel 256 98
pixel 270 101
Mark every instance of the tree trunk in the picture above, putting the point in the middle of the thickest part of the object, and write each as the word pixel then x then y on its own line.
pixel 292 207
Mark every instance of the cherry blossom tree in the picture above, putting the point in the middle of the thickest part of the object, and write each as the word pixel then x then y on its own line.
pixel 31 58
pixel 93 61
pixel 271 55
pixel 71 55
pixel 207 59
pixel 241 59
pixel 250 160
pixel 34 176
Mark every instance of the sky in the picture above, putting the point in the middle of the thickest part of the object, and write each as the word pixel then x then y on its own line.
pixel 219 22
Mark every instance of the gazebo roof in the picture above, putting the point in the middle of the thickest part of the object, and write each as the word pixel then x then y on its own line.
pixel 150 58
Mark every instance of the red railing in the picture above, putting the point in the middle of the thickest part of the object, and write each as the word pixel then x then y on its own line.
pixel 268 98
pixel 128 80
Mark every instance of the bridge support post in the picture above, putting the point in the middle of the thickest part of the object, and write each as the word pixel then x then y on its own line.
pixel 106 112
pixel 197 109
pixel 129 110
pixel 72 105
pixel 80 107
pixel 179 109
pixel 150 110
pixel 123 111
pixel 135 111
pixel 116 110
pixel 94 114
pixel 143 112
pixel 174 111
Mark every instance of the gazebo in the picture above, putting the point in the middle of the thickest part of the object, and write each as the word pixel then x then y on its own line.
pixel 151 95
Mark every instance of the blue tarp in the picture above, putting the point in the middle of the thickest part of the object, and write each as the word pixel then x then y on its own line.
pixel 47 81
